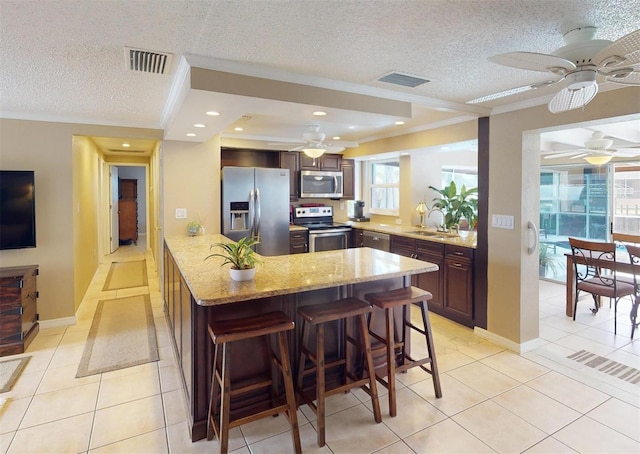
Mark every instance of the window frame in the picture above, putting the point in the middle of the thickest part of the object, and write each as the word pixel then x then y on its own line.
pixel 370 186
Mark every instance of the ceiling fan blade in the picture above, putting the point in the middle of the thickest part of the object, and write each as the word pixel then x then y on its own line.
pixel 567 99
pixel 624 76
pixel 333 148
pixel 513 91
pixel 560 155
pixel 296 149
pixel 627 47
pixel 581 155
pixel 534 62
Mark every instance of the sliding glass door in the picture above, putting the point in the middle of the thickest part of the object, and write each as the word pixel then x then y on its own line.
pixel 575 201
pixel 626 199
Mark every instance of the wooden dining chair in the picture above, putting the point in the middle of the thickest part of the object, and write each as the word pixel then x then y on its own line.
pixel 594 270
pixel 634 257
pixel 626 239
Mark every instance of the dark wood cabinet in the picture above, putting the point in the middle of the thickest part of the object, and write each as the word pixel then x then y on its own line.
pixel 298 242
pixel 357 238
pixel 327 161
pixel 18 308
pixel 452 286
pixel 430 251
pixel 348 179
pixel 458 278
pixel 290 160
pixel 128 210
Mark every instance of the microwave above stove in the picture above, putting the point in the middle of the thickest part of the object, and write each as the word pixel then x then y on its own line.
pixel 320 184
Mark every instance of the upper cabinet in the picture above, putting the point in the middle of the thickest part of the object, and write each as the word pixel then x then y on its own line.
pixel 324 162
pixel 290 160
pixel 348 179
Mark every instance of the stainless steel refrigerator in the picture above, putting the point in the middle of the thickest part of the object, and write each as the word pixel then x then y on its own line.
pixel 255 202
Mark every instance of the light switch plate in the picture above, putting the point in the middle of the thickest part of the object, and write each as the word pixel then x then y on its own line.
pixel 181 213
pixel 502 221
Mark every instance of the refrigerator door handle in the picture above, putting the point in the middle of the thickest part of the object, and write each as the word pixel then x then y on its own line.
pixel 257 215
pixel 252 210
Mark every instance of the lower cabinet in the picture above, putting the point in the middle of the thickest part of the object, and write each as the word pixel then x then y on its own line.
pixel 458 278
pixel 452 285
pixel 357 238
pixel 298 242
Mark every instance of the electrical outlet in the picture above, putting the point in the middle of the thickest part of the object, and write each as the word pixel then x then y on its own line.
pixel 181 213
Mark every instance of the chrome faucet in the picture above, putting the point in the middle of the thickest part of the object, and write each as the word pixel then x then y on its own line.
pixel 441 227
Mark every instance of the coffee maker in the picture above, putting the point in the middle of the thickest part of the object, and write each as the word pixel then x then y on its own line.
pixel 358 212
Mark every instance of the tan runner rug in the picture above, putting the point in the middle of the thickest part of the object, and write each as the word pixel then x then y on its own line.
pixel 10 371
pixel 122 335
pixel 126 275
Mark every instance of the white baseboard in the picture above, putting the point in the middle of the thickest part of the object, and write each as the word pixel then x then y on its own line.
pixel 56 322
pixel 511 345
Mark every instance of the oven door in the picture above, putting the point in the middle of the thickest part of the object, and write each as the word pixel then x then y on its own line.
pixel 328 240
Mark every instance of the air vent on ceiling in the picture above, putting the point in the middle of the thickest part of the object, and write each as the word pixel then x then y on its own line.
pixel 147 61
pixel 406 80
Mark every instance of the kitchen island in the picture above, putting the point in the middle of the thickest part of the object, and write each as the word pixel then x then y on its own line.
pixel 197 291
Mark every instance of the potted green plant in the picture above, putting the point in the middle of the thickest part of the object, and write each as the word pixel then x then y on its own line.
pixel 456 205
pixel 547 260
pixel 241 256
pixel 194 228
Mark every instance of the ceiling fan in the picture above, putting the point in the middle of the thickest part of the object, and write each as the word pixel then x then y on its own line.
pixel 576 67
pixel 597 150
pixel 313 144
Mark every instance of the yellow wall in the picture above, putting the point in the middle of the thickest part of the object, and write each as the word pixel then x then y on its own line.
pixel 86 165
pixel 191 180
pixel 47 148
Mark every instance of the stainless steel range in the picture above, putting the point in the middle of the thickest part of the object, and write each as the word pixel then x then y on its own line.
pixel 324 234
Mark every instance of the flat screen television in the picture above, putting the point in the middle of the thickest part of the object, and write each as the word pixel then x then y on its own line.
pixel 17 209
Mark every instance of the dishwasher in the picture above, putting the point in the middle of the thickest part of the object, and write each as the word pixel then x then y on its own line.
pixel 377 240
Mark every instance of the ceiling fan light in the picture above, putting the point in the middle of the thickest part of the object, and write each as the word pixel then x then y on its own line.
pixel 313 152
pixel 598 160
pixel 581 79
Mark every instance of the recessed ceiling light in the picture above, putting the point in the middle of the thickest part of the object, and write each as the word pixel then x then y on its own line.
pixel 336 137
pixel 319 113
pixel 399 122
pixel 199 125
pixel 126 145
pixel 238 129
pixel 213 113
pixel 404 154
pixel 191 134
pixel 352 127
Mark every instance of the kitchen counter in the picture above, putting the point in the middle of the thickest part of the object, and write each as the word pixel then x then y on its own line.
pixel 210 284
pixel 198 291
pixel 297 228
pixel 465 238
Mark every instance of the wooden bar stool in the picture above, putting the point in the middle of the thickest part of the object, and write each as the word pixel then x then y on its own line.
pixel 386 301
pixel 223 333
pixel 317 315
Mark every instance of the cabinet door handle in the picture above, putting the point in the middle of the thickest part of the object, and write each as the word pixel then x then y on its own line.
pixel 457 265
pixel 457 253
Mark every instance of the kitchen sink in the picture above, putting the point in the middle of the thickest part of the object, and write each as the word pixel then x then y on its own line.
pixel 438 235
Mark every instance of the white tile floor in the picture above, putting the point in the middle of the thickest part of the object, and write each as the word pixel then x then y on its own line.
pixel 494 400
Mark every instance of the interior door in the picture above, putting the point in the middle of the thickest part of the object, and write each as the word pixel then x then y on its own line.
pixel 115 237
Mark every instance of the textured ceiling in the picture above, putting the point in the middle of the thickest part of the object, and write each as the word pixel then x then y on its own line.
pixel 64 60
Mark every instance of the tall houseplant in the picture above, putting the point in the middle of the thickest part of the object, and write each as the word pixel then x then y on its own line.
pixel 456 205
pixel 240 255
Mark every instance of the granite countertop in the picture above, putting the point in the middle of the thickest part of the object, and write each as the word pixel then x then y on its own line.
pixel 210 283
pixel 465 238
pixel 297 228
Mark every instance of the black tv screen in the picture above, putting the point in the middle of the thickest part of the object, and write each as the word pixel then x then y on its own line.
pixel 17 209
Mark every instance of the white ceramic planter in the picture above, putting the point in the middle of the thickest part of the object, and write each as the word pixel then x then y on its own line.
pixel 242 275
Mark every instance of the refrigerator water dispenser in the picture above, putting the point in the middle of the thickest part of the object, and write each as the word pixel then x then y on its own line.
pixel 239 212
